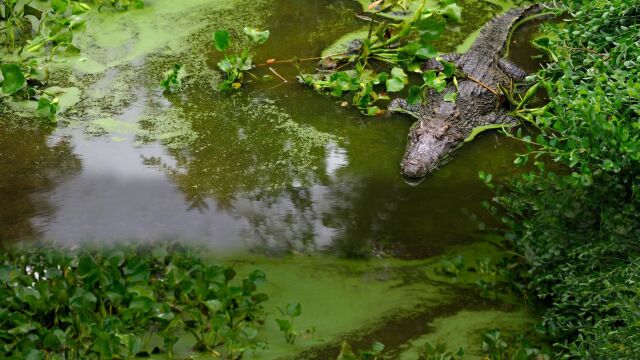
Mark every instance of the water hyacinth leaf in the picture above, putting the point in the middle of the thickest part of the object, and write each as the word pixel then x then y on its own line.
pixel 431 27
pixel 397 80
pixel 449 68
pixel 451 96
pixel 14 79
pixel 283 324
pixel 214 306
pixel 394 84
pixel 294 310
pixel 415 94
pixel 22 329
pixel 374 111
pixel 221 40
pixel 435 81
pixel 399 73
pixel 59 6
pixel 250 332
pixel 259 37
pixel 426 52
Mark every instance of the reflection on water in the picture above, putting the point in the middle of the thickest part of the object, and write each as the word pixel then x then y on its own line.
pixel 272 168
pixel 32 163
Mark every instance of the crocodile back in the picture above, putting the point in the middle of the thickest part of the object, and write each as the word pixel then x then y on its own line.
pixel 494 34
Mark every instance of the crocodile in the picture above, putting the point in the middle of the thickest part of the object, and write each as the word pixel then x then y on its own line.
pixel 443 125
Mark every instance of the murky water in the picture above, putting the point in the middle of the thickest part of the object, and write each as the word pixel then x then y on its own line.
pixel 273 169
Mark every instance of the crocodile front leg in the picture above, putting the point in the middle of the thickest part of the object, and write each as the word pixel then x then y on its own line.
pixel 512 70
pixel 433 64
pixel 494 120
pixel 500 117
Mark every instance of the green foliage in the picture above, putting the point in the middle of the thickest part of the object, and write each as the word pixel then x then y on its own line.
pixel 26 81
pixel 234 66
pixel 122 303
pixel 496 348
pixel 286 324
pixel 346 353
pixel 402 46
pixel 439 352
pixel 172 81
pixel 451 267
pixel 13 80
pixel 121 4
pixel 575 224
pixel 46 29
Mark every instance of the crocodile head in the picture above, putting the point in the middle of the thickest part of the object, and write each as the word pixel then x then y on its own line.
pixel 431 139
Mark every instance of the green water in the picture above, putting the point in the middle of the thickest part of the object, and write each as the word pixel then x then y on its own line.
pixel 275 176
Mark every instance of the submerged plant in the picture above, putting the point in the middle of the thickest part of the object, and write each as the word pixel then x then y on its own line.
pixel 234 66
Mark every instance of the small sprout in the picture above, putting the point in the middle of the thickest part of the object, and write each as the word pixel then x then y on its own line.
pixel 48 106
pixel 172 81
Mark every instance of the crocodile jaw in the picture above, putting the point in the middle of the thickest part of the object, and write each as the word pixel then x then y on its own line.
pixel 424 154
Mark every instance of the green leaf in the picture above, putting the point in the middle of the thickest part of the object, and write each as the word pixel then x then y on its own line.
pixel 415 94
pixel 59 6
pixel 14 79
pixel 283 324
pixel 431 27
pixel 394 84
pixel 434 81
pixel 399 73
pixel 22 329
pixel 426 52
pixel 294 310
pixel 451 96
pixel 214 306
pixel 373 111
pixel 449 68
pixel 221 40
pixel 259 37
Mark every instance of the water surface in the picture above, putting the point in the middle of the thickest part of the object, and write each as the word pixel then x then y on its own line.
pixel 274 169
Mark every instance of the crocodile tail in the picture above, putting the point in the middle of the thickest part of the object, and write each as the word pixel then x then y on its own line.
pixel 494 34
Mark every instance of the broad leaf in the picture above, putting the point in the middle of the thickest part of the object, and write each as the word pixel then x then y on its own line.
pixel 221 40
pixel 14 79
pixel 259 37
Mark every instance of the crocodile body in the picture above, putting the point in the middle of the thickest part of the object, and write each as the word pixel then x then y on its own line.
pixel 443 125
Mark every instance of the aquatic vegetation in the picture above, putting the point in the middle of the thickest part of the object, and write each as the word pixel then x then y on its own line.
pixel 33 34
pixel 451 267
pixel 172 81
pixel 123 302
pixel 346 353
pixel 403 45
pixel 26 81
pixel 574 222
pixel 235 65
pixel 289 312
pixel 439 352
pixel 496 348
